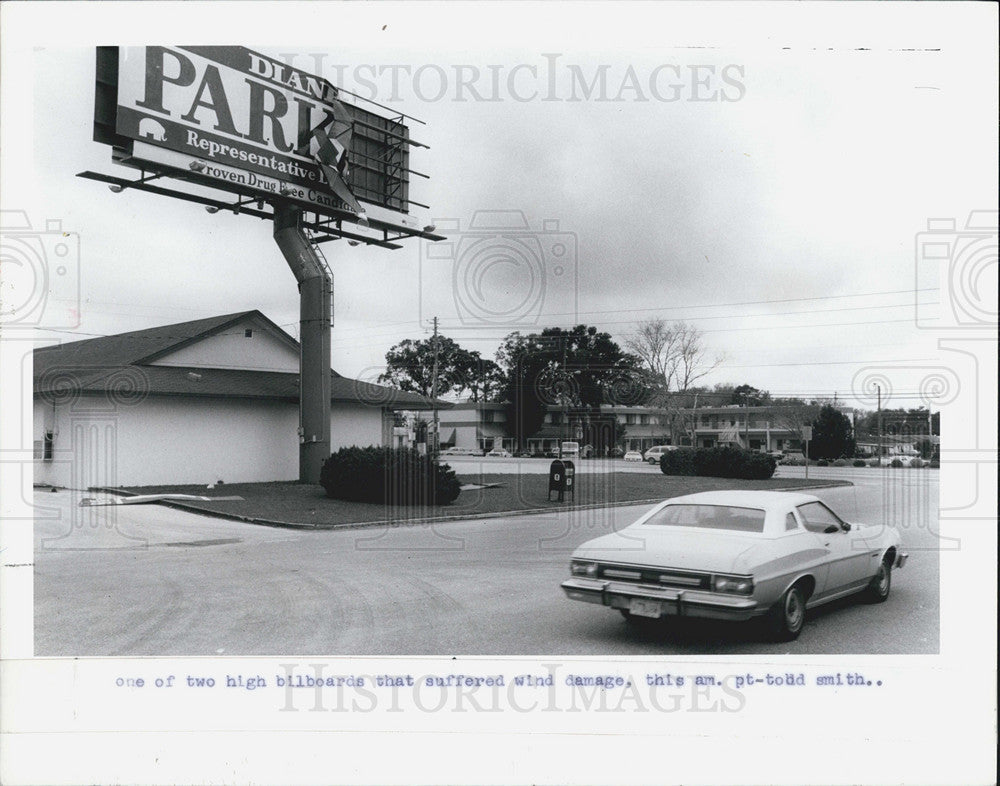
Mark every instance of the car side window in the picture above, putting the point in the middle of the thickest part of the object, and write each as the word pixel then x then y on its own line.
pixel 818 517
pixel 791 522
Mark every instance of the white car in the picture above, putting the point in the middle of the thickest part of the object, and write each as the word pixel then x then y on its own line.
pixel 499 453
pixel 461 452
pixel 653 454
pixel 633 455
pixel 734 555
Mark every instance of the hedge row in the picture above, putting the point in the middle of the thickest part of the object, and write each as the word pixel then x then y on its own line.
pixel 721 462
pixel 393 476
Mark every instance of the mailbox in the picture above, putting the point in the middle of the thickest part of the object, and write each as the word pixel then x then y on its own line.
pixel 562 479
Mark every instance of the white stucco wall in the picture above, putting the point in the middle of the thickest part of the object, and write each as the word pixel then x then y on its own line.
pixel 176 439
pixel 231 349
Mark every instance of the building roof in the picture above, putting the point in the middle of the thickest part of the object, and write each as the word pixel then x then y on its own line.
pixel 119 366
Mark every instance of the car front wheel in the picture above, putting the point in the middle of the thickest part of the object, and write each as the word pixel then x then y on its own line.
pixel 881 583
pixel 788 615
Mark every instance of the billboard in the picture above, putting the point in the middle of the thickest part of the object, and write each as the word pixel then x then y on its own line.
pixel 234 119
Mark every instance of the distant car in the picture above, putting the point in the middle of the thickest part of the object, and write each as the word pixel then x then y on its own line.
pixel 777 455
pixel 653 454
pixel 906 459
pixel 461 452
pixel 570 449
pixel 499 453
pixel 633 455
pixel 735 555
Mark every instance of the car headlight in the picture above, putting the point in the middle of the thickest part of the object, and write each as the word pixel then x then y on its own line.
pixel 582 568
pixel 737 585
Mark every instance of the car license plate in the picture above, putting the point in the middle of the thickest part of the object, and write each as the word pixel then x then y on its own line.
pixel 644 608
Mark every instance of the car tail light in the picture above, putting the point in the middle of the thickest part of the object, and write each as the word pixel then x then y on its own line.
pixel 582 568
pixel 737 585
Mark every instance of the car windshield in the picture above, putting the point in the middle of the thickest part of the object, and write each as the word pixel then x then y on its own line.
pixel 709 517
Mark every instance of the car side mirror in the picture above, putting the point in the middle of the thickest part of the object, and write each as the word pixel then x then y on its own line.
pixel 831 529
pixel 847 527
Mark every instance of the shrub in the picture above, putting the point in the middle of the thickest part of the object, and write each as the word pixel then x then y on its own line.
pixel 794 461
pixel 917 464
pixel 678 462
pixel 822 463
pixel 860 463
pixel 874 463
pixel 721 462
pixel 840 463
pixel 935 464
pixel 392 476
pixel 896 463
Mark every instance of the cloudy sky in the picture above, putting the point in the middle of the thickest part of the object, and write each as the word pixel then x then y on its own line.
pixel 761 172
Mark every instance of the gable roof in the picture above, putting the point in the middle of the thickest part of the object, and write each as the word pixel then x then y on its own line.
pixel 118 365
pixel 142 346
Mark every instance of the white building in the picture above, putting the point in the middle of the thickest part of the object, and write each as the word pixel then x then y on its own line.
pixel 196 402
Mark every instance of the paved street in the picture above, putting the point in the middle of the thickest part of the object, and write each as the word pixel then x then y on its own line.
pixel 148 580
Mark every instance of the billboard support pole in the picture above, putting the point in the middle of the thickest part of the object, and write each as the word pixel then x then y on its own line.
pixel 315 310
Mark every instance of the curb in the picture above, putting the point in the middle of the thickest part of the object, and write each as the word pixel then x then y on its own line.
pixel 429 520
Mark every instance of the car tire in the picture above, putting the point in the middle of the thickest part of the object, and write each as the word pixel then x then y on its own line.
pixel 881 584
pixel 788 615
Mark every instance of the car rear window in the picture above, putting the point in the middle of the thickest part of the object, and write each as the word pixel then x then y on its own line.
pixel 709 517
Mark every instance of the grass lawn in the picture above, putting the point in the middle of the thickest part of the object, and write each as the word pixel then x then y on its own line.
pixel 298 503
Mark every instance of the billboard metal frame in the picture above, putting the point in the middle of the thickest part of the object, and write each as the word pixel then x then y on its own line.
pixel 310 197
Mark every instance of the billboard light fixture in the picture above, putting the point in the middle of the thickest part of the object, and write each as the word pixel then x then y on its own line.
pixel 211 209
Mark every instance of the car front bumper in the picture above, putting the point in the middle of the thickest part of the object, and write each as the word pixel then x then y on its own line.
pixel 673 602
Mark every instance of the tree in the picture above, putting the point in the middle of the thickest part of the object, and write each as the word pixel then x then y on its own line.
pixel 579 369
pixel 675 358
pixel 486 379
pixel 410 367
pixel 749 396
pixel 674 353
pixel 832 437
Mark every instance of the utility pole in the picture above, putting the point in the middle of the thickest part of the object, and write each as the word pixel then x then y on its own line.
pixel 565 407
pixel 879 421
pixel 433 446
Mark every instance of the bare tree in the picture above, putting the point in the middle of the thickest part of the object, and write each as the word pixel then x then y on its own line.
pixel 676 357
pixel 674 353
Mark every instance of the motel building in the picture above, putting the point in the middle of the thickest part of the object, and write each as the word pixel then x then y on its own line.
pixel 195 402
pixel 753 428
pixel 483 425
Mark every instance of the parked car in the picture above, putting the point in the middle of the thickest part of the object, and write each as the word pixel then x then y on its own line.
pixel 777 455
pixel 461 452
pixel 906 459
pixel 570 450
pixel 653 454
pixel 736 555
pixel 633 455
pixel 499 453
